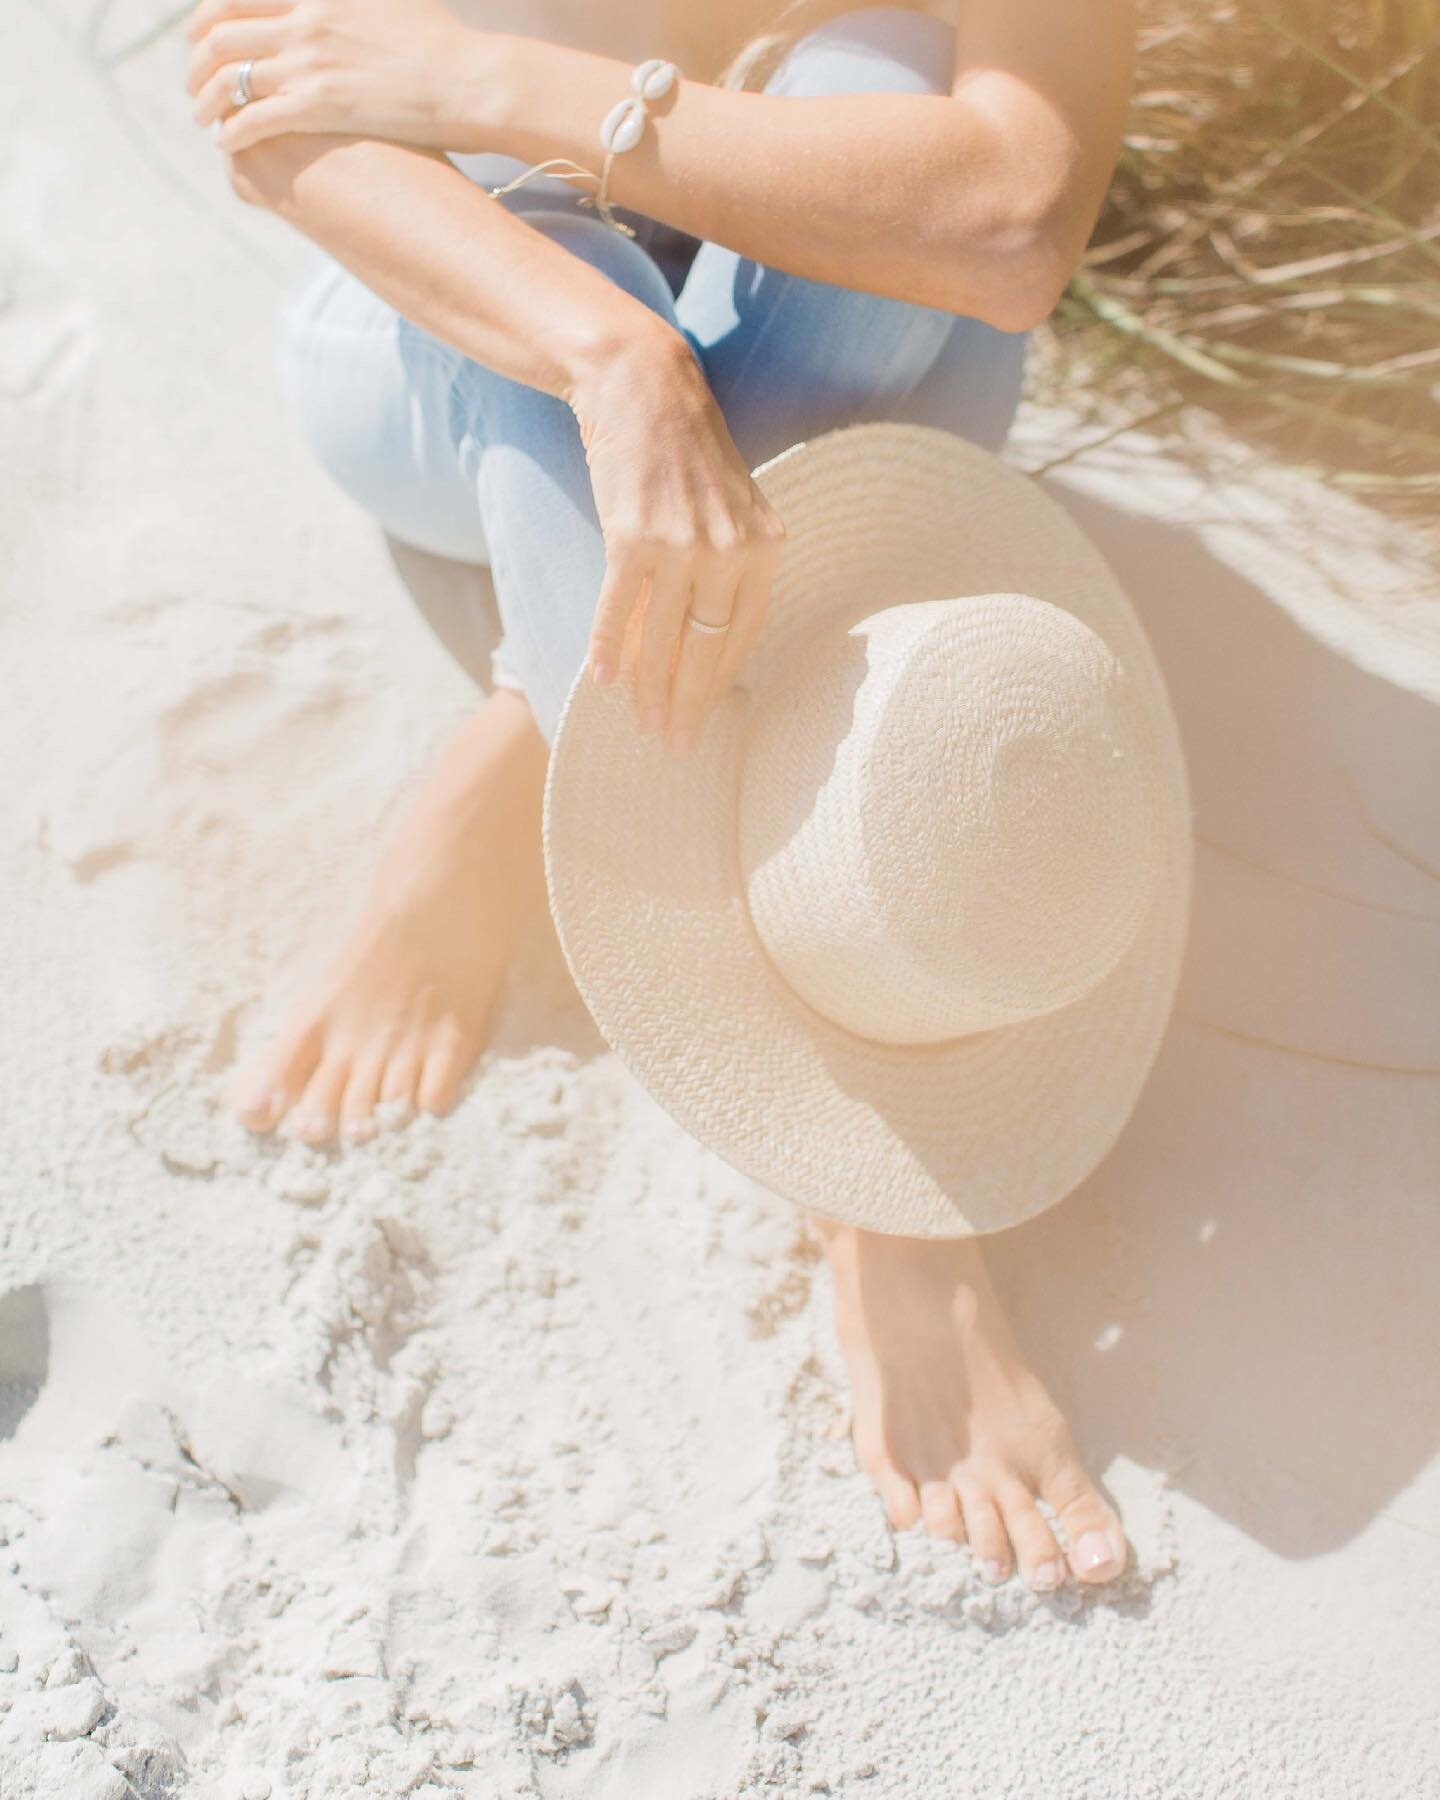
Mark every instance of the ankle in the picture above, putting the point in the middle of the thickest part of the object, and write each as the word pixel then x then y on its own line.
pixel 929 1273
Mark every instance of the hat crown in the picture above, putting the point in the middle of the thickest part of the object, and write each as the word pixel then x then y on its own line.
pixel 952 816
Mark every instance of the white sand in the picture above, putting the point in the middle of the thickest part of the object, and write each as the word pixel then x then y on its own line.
pixel 509 1456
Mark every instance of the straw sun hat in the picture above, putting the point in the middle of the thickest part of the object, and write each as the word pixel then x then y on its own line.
pixel 900 937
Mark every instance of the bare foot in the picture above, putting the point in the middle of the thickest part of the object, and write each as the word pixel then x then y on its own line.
pixel 949 1422
pixel 403 1011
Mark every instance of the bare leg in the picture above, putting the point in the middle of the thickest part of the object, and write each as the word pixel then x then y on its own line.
pixel 948 1420
pixel 402 1012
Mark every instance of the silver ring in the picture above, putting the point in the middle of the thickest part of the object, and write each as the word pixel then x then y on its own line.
pixel 702 625
pixel 240 94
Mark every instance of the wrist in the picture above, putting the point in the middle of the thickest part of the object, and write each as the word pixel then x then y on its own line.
pixel 620 362
pixel 484 91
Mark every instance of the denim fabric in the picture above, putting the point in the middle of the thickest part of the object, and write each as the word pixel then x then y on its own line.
pixel 456 459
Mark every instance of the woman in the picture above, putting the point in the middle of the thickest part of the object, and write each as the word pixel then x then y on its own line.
pixel 511 380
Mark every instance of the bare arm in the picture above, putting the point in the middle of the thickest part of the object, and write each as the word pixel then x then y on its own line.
pixel 682 519
pixel 979 201
pixel 460 265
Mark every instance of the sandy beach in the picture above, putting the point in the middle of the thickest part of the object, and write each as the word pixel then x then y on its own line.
pixel 508 1455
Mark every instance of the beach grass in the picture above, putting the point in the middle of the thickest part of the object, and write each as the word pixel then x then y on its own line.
pixel 1269 250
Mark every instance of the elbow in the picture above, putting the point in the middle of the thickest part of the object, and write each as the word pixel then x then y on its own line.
pixel 1025 277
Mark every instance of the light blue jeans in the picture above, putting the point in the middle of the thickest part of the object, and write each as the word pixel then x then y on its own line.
pixel 458 460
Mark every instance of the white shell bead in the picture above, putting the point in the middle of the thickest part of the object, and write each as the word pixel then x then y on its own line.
pixel 622 126
pixel 653 77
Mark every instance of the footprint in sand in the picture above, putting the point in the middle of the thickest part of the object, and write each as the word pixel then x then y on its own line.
pixel 24 1355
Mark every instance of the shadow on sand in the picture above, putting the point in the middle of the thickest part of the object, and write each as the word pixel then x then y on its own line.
pixel 1242 1294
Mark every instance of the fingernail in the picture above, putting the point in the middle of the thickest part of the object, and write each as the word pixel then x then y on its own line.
pixel 600 671
pixel 681 741
pixel 1093 1551
pixel 993 1571
pixel 1048 1575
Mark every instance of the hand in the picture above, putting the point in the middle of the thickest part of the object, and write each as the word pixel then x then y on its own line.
pixel 683 521
pixel 369 68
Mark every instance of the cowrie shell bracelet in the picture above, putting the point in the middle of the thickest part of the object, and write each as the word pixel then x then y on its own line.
pixel 620 130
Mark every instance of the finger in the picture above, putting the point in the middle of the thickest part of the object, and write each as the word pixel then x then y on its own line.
pixel 624 577
pixel 229 44
pixel 263 119
pixel 214 101
pixel 664 612
pixel 699 653
pixel 751 603
pixel 211 12
pixel 634 633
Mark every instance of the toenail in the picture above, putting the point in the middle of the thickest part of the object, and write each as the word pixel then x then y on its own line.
pixel 993 1571
pixel 310 1125
pixel 1048 1575
pixel 358 1130
pixel 391 1114
pixel 256 1101
pixel 1093 1551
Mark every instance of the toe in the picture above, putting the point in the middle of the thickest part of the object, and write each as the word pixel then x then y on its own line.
pixel 317 1111
pixel 940 1509
pixel 357 1104
pixel 1042 1564
pixel 400 1083
pixel 447 1056
pixel 988 1538
pixel 268 1088
pixel 902 1503
pixel 1092 1527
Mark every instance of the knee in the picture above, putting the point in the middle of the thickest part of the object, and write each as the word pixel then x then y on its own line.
pixel 870 49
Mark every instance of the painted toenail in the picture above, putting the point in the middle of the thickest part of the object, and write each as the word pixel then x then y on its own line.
pixel 1093 1551
pixel 1048 1575
pixel 993 1571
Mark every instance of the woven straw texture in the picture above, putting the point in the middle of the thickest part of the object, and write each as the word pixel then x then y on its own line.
pixel 649 859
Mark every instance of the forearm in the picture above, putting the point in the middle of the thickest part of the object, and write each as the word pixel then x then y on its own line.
pixel 914 196
pixel 450 258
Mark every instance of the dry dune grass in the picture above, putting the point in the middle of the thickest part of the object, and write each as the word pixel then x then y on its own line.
pixel 1270 246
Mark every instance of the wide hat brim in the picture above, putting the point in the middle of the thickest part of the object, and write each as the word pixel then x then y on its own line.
pixel 949 1139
